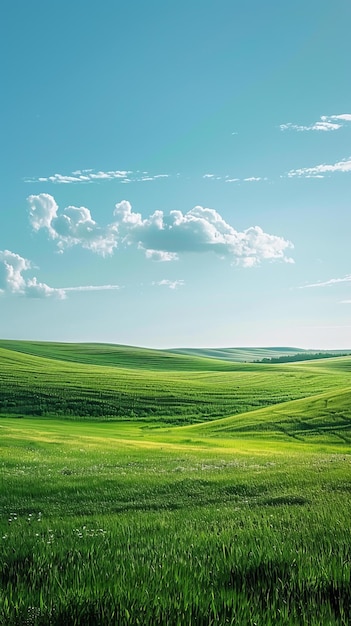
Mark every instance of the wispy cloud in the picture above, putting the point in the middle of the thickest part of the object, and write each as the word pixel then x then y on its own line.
pixel 92 288
pixel 162 237
pixel 326 123
pixel 230 179
pixel 319 171
pixel 254 179
pixel 171 284
pixel 329 283
pixel 323 126
pixel 92 176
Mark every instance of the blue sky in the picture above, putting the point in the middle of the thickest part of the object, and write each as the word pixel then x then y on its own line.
pixel 176 173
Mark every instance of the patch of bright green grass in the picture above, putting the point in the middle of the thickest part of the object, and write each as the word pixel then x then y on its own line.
pixel 108 523
pixel 322 418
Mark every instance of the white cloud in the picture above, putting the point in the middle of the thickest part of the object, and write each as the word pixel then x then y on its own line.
pixel 326 123
pixel 91 176
pixel 345 117
pixel 162 237
pixel 72 227
pixel 12 281
pixel 328 283
pixel 253 179
pixel 161 255
pixel 43 210
pixel 197 231
pixel 93 288
pixel 318 171
pixel 228 179
pixel 323 126
pixel 171 284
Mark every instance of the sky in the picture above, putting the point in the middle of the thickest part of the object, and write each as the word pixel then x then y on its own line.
pixel 176 174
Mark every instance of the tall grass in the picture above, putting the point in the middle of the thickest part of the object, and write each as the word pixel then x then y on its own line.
pixel 96 532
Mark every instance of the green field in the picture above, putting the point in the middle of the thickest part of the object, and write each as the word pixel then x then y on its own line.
pixel 151 487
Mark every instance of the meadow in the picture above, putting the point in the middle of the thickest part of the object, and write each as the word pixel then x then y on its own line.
pixel 124 518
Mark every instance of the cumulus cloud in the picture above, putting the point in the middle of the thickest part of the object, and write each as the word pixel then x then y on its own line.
pixel 345 117
pixel 71 227
pixel 162 237
pixel 12 267
pixel 171 284
pixel 319 171
pixel 199 230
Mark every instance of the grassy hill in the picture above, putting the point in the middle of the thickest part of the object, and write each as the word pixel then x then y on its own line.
pixel 114 355
pixel 149 384
pixel 147 358
pixel 113 513
pixel 322 418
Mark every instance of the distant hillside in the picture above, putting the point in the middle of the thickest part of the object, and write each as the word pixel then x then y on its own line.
pixel 111 355
pixel 177 359
pixel 264 355
pixel 238 354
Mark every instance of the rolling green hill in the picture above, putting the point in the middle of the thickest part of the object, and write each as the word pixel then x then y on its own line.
pixel 113 355
pixel 322 418
pixel 148 358
pixel 148 384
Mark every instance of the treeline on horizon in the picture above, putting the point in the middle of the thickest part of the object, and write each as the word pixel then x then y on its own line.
pixel 302 356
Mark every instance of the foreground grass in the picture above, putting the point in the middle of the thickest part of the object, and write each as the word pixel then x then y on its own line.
pixel 115 523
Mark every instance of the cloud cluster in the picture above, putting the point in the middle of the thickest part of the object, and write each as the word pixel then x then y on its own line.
pixel 12 267
pixel 319 171
pixel 326 123
pixel 92 176
pixel 12 281
pixel 162 237
pixel 71 227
